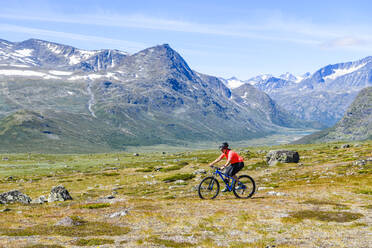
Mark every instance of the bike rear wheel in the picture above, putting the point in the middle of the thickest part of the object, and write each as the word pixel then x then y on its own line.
pixel 247 190
pixel 209 188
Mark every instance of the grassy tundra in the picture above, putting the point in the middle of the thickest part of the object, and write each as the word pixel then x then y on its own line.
pixel 324 201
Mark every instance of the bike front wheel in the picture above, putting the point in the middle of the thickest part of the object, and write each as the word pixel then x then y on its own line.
pixel 245 188
pixel 209 188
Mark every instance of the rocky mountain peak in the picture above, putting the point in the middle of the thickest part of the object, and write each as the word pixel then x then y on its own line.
pixel 162 59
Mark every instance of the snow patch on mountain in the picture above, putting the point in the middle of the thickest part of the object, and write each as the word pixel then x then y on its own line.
pixel 233 83
pixel 288 76
pixel 80 56
pixel 27 73
pixel 54 48
pixel 94 76
pixel 60 73
pixel 23 52
pixel 15 65
pixel 74 59
pixel 302 77
pixel 340 72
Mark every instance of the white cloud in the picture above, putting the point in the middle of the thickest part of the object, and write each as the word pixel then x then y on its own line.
pixel 275 28
pixel 243 30
pixel 134 46
pixel 345 42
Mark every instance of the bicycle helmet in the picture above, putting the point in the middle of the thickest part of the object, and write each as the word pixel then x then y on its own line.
pixel 224 145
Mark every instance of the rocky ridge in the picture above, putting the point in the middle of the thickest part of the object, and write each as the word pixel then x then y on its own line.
pixel 322 96
pixel 149 97
pixel 356 123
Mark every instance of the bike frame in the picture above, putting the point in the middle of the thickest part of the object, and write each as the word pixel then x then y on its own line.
pixel 223 177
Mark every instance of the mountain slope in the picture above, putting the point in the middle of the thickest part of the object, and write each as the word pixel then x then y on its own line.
pixel 58 132
pixel 356 123
pixel 250 97
pixel 322 96
pixel 150 97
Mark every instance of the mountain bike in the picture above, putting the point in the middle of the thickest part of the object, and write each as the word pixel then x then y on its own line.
pixel 209 187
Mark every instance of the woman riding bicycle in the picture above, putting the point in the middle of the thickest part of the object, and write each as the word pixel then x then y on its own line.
pixel 234 162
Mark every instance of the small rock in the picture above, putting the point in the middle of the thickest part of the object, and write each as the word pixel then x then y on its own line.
pixel 110 197
pixel 14 196
pixel 179 182
pixel 345 146
pixel 59 193
pixel 283 215
pixel 359 162
pixel 276 193
pixel 158 168
pixel 9 178
pixel 357 145
pixel 5 210
pixel 5 158
pixel 135 154
pixel 67 221
pixel 163 153
pixel 39 200
pixel 200 171
pixel 175 186
pixel 119 214
pixel 151 182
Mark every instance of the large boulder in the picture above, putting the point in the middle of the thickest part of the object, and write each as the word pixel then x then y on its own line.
pixel 283 156
pixel 59 193
pixel 14 196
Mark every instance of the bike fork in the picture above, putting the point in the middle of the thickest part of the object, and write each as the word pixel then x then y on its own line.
pixel 210 186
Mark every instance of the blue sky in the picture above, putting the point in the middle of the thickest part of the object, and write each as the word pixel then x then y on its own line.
pixel 221 38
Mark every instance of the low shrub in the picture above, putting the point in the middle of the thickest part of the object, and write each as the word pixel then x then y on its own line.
pixel 83 230
pixel 176 177
pixel 111 174
pixel 91 242
pixel 325 216
pixel 95 205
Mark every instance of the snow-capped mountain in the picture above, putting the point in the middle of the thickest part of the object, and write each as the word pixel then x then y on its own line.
pixel 48 55
pixel 325 95
pixel 113 98
pixel 232 82
pixel 258 79
pixel 289 77
pixel 351 75
pixel 267 82
pixel 322 96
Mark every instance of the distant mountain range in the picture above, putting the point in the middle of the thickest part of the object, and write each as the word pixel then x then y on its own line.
pixel 356 124
pixel 323 96
pixel 57 98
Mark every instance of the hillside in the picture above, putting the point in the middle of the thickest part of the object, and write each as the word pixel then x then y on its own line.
pixel 321 97
pixel 356 123
pixel 147 98
pixel 121 200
